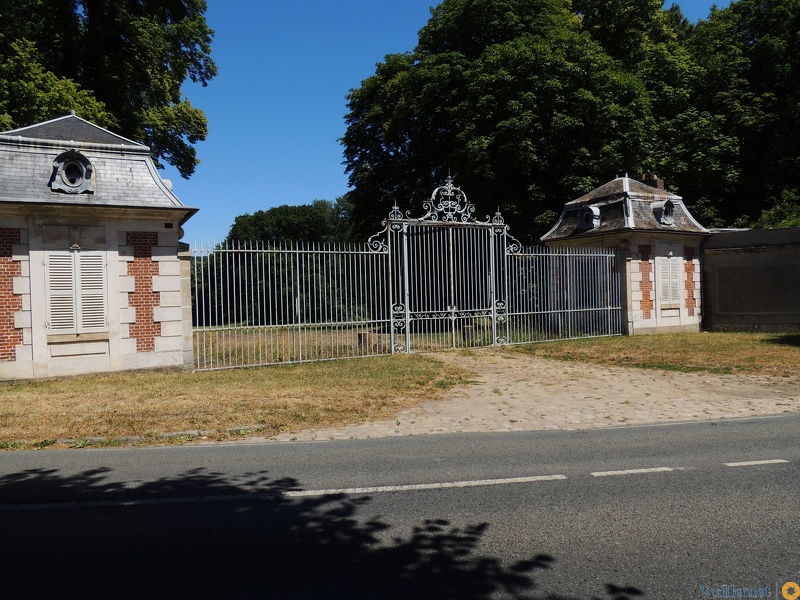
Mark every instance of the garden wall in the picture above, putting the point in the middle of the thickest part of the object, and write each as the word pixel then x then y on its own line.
pixel 751 280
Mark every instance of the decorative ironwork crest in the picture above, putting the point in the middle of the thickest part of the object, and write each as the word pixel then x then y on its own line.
pixel 449 204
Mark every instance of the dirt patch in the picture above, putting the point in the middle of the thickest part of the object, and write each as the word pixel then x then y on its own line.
pixel 514 392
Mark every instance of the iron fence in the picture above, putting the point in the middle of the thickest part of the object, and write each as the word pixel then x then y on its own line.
pixel 258 304
pixel 441 281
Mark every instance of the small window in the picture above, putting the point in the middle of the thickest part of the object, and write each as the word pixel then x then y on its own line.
pixel 664 212
pixel 589 217
pixel 72 174
pixel 76 292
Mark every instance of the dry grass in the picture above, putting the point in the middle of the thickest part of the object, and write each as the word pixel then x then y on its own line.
pixel 146 405
pixel 722 353
pixel 240 402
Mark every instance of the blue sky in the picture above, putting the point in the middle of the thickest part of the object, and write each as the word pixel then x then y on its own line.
pixel 276 109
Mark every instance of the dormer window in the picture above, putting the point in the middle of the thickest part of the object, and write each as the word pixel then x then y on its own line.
pixel 73 173
pixel 664 212
pixel 589 217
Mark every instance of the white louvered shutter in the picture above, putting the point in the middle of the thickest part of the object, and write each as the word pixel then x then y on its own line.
pixel 91 292
pixel 61 310
pixel 670 279
pixel 76 292
pixel 675 264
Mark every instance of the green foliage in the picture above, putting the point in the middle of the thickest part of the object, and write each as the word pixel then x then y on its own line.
pixel 785 212
pixel 626 29
pixel 680 25
pixel 527 113
pixel 320 221
pixel 29 93
pixel 530 103
pixel 120 63
pixel 750 56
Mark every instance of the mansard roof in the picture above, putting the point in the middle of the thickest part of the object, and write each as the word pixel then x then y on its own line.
pixel 70 161
pixel 621 205
pixel 70 128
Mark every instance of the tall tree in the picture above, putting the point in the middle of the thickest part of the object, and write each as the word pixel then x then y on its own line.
pixel 750 56
pixel 320 221
pixel 130 55
pixel 626 29
pixel 525 110
pixel 29 93
pixel 686 144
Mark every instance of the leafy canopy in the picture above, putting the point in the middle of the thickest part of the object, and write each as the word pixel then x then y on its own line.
pixel 530 103
pixel 119 63
pixel 320 221
pixel 524 108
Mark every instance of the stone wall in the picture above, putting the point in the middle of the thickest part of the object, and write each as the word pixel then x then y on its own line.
pixel 751 280
pixel 643 281
pixel 152 299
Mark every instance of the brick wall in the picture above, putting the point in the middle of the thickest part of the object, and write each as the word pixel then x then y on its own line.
pixel 10 303
pixel 646 284
pixel 688 267
pixel 143 268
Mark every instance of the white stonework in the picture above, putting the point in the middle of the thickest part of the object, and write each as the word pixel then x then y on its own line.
pixel 171 299
pixel 163 283
pixel 58 228
pixel 167 313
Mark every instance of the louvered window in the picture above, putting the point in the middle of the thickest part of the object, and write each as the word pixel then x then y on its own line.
pixel 669 277
pixel 76 292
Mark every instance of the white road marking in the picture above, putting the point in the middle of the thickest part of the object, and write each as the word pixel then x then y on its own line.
pixel 271 495
pixel 633 471
pixel 423 486
pixel 750 463
pixel 349 491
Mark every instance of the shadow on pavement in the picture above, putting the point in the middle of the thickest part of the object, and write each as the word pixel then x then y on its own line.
pixel 200 535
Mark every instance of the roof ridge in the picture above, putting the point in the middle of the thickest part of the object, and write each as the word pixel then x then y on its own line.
pixel 70 128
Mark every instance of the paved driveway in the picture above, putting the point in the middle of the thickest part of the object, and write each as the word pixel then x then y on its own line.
pixel 514 392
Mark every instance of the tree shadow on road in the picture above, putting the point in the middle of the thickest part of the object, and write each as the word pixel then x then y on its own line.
pixel 202 535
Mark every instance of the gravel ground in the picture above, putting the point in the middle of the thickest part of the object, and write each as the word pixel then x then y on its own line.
pixel 513 392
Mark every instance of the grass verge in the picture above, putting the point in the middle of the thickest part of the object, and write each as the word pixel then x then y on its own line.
pixel 141 407
pixel 719 353
pixel 173 407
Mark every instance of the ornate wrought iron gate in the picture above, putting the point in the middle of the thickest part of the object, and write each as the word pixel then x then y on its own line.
pixel 447 275
pixel 444 280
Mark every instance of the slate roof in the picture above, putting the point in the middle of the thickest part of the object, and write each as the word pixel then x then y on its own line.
pixel 623 204
pixel 70 128
pixel 123 173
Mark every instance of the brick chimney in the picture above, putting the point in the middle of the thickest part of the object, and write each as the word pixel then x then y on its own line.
pixel 652 181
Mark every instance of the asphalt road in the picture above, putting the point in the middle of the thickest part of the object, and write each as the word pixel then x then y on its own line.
pixel 670 511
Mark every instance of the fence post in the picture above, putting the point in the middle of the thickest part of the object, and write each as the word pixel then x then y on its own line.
pixel 406 293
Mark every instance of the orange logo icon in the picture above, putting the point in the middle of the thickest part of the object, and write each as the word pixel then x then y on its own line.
pixel 791 591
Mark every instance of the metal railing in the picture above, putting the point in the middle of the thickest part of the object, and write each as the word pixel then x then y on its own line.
pixel 442 281
pixel 257 304
pixel 260 304
pixel 562 293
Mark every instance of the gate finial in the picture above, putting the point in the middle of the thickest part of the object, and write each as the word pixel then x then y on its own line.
pixel 448 203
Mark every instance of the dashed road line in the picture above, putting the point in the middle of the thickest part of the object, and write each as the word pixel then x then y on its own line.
pixel 351 491
pixel 751 463
pixel 272 495
pixel 423 486
pixel 633 471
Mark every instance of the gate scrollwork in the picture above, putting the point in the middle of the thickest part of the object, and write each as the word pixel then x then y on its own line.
pixel 448 204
